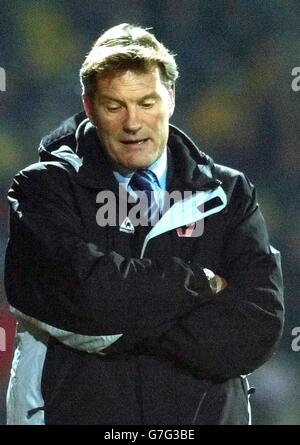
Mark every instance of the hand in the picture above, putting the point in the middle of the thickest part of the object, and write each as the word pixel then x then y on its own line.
pixel 221 283
pixel 217 283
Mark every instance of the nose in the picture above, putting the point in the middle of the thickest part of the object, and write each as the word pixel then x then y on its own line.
pixel 132 121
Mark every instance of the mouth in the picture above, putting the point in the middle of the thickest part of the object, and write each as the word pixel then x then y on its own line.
pixel 134 143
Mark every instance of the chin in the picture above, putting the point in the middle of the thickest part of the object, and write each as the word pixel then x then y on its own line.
pixel 138 163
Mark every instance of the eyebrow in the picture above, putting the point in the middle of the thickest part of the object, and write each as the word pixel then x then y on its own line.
pixel 152 95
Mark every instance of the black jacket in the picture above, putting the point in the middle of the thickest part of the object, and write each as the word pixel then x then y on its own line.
pixel 133 340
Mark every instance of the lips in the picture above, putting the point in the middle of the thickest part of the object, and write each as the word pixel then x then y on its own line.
pixel 134 144
pixel 134 141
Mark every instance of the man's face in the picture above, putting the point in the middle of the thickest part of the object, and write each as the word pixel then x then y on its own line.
pixel 131 111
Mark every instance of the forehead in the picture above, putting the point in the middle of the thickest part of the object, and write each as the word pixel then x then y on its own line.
pixel 131 84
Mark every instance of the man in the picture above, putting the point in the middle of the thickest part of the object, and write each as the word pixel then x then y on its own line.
pixel 122 321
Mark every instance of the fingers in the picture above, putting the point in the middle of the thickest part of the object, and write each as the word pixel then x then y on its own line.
pixel 221 283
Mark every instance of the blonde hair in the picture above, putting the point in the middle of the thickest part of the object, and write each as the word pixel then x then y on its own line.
pixel 126 47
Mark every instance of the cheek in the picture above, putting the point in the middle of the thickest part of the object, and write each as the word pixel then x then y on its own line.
pixel 159 122
pixel 109 126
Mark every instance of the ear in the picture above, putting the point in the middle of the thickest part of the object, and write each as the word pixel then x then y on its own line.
pixel 88 108
pixel 171 100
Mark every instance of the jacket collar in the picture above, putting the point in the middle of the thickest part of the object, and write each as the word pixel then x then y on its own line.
pixel 188 167
pixel 96 170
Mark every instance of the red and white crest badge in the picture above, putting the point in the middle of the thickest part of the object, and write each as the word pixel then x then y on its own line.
pixel 186 231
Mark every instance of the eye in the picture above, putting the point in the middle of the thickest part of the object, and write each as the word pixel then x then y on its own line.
pixel 113 108
pixel 111 105
pixel 148 103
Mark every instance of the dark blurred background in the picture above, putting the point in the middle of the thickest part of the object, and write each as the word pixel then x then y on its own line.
pixel 234 97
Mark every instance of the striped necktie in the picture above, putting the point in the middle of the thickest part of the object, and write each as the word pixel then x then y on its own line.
pixel 143 181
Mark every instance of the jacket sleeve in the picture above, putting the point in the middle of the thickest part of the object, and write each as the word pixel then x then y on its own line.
pixel 236 331
pixel 60 280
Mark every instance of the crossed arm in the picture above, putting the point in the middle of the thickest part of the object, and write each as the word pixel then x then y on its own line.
pixel 65 284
